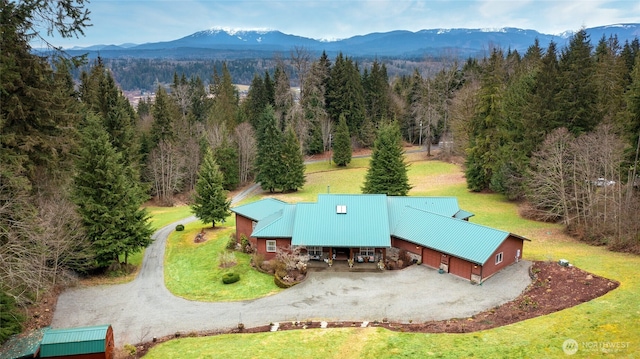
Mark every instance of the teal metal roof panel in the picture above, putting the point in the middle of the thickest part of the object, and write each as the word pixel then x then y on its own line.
pixel 260 209
pixel 364 222
pixel 277 225
pixel 73 341
pixel 446 206
pixel 470 241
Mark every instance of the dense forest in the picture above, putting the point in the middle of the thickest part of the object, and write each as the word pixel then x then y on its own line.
pixel 555 128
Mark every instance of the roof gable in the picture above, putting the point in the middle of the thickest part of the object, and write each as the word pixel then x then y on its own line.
pixel 74 341
pixel 277 225
pixel 470 241
pixel 260 209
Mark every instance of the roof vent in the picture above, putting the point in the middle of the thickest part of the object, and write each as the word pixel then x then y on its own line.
pixel 341 209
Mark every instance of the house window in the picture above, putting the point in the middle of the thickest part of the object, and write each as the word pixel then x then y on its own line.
pixel 271 245
pixel 314 251
pixel 341 209
pixel 253 225
pixel 367 252
pixel 499 258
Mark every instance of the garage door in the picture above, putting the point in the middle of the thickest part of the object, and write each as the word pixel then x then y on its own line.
pixel 431 258
pixel 460 267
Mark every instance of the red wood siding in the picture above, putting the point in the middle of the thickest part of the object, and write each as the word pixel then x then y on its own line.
pixel 244 226
pixel 262 246
pixel 460 267
pixel 408 246
pixel 431 257
pixel 509 249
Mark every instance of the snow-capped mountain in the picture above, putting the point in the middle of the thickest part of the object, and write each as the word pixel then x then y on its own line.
pixel 400 43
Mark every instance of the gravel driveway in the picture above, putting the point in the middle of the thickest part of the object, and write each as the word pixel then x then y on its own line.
pixel 144 308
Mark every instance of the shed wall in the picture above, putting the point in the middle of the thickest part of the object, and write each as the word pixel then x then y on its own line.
pixel 509 249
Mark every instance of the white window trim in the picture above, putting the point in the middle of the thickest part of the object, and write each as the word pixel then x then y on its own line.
pixel 314 251
pixel 499 257
pixel 367 251
pixel 271 245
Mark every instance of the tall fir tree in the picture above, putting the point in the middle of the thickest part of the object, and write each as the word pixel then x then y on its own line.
pixel 293 176
pixel 210 203
pixel 577 95
pixel 387 170
pixel 342 143
pixel 225 98
pixel 256 101
pixel 108 199
pixel 484 127
pixel 345 94
pixel 269 158
pixel 226 156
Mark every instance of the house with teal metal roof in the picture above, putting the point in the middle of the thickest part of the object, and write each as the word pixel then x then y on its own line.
pixel 365 227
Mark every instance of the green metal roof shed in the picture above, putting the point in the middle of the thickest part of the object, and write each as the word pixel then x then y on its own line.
pixel 85 342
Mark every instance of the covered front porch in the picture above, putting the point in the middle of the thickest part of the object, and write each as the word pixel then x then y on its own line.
pixel 341 266
pixel 349 256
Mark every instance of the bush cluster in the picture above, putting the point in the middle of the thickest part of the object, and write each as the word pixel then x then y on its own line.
pixel 230 277
pixel 180 227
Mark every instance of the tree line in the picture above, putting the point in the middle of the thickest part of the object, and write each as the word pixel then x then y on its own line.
pixel 558 128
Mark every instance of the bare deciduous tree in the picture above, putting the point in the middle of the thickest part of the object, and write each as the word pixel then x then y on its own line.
pixel 462 110
pixel 549 182
pixel 300 57
pixel 246 141
pixel 165 167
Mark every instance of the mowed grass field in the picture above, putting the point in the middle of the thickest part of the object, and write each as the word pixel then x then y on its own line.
pixel 608 326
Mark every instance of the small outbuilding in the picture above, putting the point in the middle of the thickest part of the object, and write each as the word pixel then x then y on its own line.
pixel 78 343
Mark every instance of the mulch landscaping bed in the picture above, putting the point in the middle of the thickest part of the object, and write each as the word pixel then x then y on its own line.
pixel 553 288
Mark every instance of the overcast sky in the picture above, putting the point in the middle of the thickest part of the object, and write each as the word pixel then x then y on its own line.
pixel 140 21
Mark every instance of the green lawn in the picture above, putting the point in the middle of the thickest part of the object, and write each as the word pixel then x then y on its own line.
pixel 611 320
pixel 192 269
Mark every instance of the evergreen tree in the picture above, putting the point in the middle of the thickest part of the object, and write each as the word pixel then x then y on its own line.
pixel 283 97
pixel 269 158
pixel 11 317
pixel 256 101
pixel 108 199
pixel 313 107
pixel 342 144
pixel 577 95
pixel 387 170
pixel 164 113
pixel 485 126
pixel 345 94
pixel 293 176
pixel 225 98
pixel 376 91
pixel 226 156
pixel 631 122
pixel 210 203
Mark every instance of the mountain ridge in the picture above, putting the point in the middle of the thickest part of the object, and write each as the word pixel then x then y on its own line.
pixel 465 42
